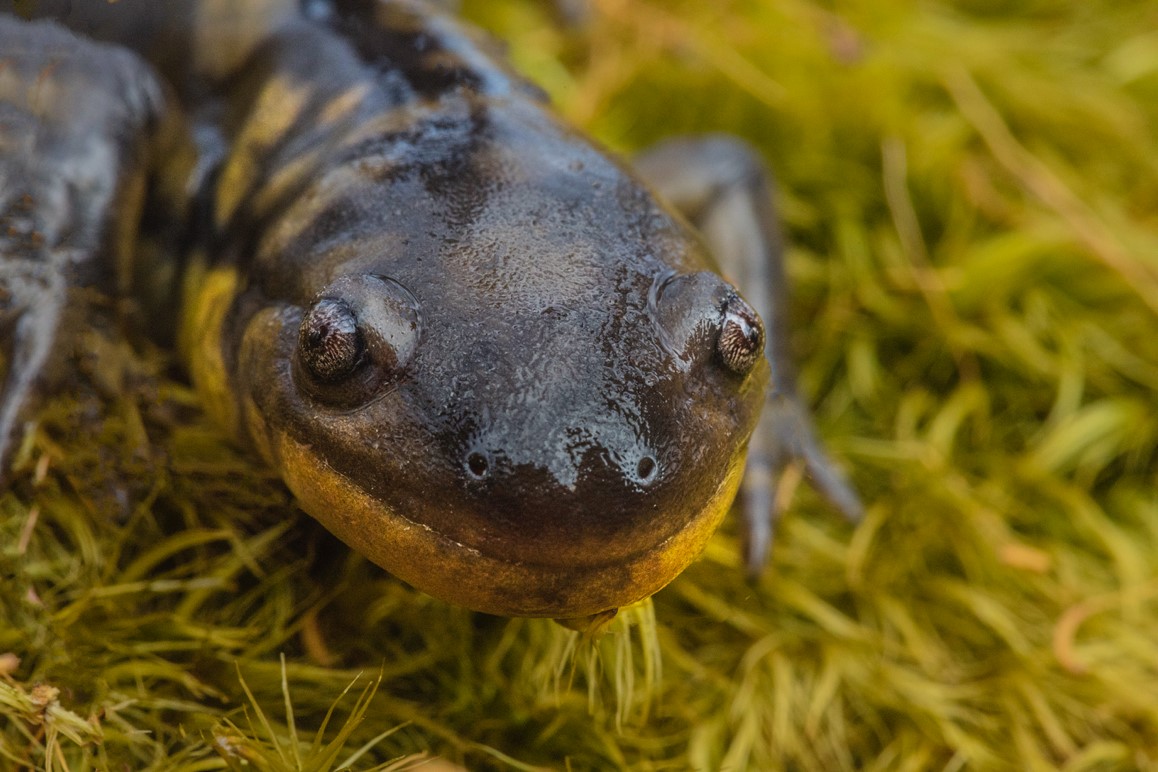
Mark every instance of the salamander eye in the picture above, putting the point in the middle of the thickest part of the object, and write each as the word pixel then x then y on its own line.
pixel 330 343
pixel 741 340
pixel 355 340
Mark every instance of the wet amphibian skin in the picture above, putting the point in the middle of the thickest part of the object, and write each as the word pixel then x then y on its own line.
pixel 477 349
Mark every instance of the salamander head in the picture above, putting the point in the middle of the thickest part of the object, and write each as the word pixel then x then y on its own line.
pixel 508 377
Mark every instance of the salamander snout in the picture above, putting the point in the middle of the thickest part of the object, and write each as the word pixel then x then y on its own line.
pixel 581 459
pixel 610 445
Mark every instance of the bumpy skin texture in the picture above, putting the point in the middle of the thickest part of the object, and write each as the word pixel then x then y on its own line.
pixel 534 418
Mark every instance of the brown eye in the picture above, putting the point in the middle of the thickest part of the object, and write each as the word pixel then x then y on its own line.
pixel 741 341
pixel 331 345
pixel 355 340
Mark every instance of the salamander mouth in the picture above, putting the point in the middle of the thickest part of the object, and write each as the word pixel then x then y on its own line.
pixel 466 575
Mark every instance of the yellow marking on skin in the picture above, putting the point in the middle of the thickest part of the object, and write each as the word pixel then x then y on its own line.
pixel 258 430
pixel 290 174
pixel 251 415
pixel 240 173
pixel 384 122
pixel 462 574
pixel 680 550
pixel 208 294
pixel 286 177
pixel 340 107
pixel 328 185
pixel 276 109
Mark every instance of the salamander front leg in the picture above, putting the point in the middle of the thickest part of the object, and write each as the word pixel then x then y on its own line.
pixel 78 125
pixel 31 306
pixel 721 186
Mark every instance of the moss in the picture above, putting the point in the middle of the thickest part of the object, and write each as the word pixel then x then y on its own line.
pixel 969 189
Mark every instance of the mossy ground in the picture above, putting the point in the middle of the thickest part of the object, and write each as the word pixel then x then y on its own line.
pixel 970 189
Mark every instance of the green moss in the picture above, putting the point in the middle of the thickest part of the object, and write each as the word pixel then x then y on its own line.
pixel 969 189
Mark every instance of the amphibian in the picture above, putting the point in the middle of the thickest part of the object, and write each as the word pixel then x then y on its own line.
pixel 476 347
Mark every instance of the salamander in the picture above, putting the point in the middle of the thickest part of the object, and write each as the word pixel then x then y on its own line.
pixel 491 357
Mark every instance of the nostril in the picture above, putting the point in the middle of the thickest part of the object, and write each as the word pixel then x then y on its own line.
pixel 645 470
pixel 477 465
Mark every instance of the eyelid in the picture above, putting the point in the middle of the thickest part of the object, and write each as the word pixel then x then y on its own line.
pixel 388 325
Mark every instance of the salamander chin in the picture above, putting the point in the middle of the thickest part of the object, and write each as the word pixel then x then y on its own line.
pixel 493 583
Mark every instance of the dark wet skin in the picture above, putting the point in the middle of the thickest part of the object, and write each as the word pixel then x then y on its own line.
pixel 476 347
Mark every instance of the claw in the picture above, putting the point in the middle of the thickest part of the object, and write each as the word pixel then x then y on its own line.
pixel 785 437
pixel 831 482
